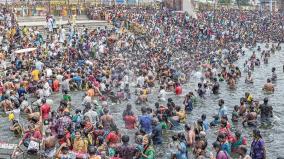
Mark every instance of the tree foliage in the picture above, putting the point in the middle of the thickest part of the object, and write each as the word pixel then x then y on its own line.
pixel 242 2
pixel 224 1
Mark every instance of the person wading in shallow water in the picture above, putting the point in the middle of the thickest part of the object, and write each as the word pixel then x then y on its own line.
pixel 257 150
pixel 269 87
pixel 151 49
pixel 266 110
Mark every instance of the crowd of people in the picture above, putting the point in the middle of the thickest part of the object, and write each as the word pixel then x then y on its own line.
pixel 147 50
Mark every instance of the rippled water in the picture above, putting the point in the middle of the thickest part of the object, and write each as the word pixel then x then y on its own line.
pixel 272 135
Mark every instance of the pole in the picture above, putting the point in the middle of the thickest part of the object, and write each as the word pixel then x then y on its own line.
pixel 68 12
pixel 238 3
pixel 270 5
pixel 49 6
pixel 214 11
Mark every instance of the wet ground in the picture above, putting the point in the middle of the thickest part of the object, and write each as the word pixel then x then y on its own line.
pixel 272 134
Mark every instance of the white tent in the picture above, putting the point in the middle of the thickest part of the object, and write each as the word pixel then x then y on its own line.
pixel 188 7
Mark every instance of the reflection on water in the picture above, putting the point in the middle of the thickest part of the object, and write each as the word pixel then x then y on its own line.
pixel 272 134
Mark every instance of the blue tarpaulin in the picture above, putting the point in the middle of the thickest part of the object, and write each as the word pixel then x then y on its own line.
pixel 119 1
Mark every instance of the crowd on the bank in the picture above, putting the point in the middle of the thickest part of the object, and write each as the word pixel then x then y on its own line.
pixel 152 49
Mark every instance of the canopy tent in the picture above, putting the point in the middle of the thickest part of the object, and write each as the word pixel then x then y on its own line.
pixel 189 8
pixel 25 50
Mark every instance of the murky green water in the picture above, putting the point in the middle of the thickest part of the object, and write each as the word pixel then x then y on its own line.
pixel 273 135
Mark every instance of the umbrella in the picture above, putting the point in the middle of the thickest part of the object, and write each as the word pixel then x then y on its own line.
pixel 25 50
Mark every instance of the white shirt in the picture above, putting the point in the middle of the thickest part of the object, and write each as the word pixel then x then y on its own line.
pixel 102 87
pixel 59 77
pixel 140 81
pixel 48 72
pixel 162 95
pixel 24 104
pixel 87 99
pixel 92 115
pixel 101 48
pixel 39 65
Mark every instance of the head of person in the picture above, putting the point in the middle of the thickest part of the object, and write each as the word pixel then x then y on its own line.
pixel 217 146
pixel 65 150
pixel 174 137
pixel 178 108
pixel 92 150
pixel 77 134
pixel 221 102
pixel 200 122
pixel 238 134
pixel 142 132
pixel 78 111
pixel 199 85
pixel 181 136
pixel 265 100
pixel 242 150
pixel 146 140
pixel 149 110
pixel 170 100
pixel 203 117
pixel 43 100
pixel 144 110
pixel 256 134
pixel 128 107
pixel 249 73
pixel 125 139
pixel 273 69
pixel 221 138
pixel 268 80
pixel 157 105
pixel 187 127
pixel 246 94
pixel 155 121
pixel 106 111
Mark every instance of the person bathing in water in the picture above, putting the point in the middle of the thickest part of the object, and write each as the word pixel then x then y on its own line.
pixel 274 75
pixel 249 78
pixel 269 87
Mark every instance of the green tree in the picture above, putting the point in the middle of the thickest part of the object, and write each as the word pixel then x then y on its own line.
pixel 242 2
pixel 224 1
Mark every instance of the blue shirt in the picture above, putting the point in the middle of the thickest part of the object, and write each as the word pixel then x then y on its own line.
pixel 205 125
pixel 182 153
pixel 145 122
pixel 222 112
pixel 21 91
pixel 18 64
pixel 77 79
pixel 226 147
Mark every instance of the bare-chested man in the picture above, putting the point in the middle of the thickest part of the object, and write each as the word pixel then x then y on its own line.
pixel 6 104
pixel 190 135
pixel 49 143
pixel 107 120
pixel 269 87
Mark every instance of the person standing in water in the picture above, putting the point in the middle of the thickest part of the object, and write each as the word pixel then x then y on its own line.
pixel 266 110
pixel 243 152
pixel 222 111
pixel 249 78
pixel 257 150
pixel 215 87
pixel 274 75
pixel 269 87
